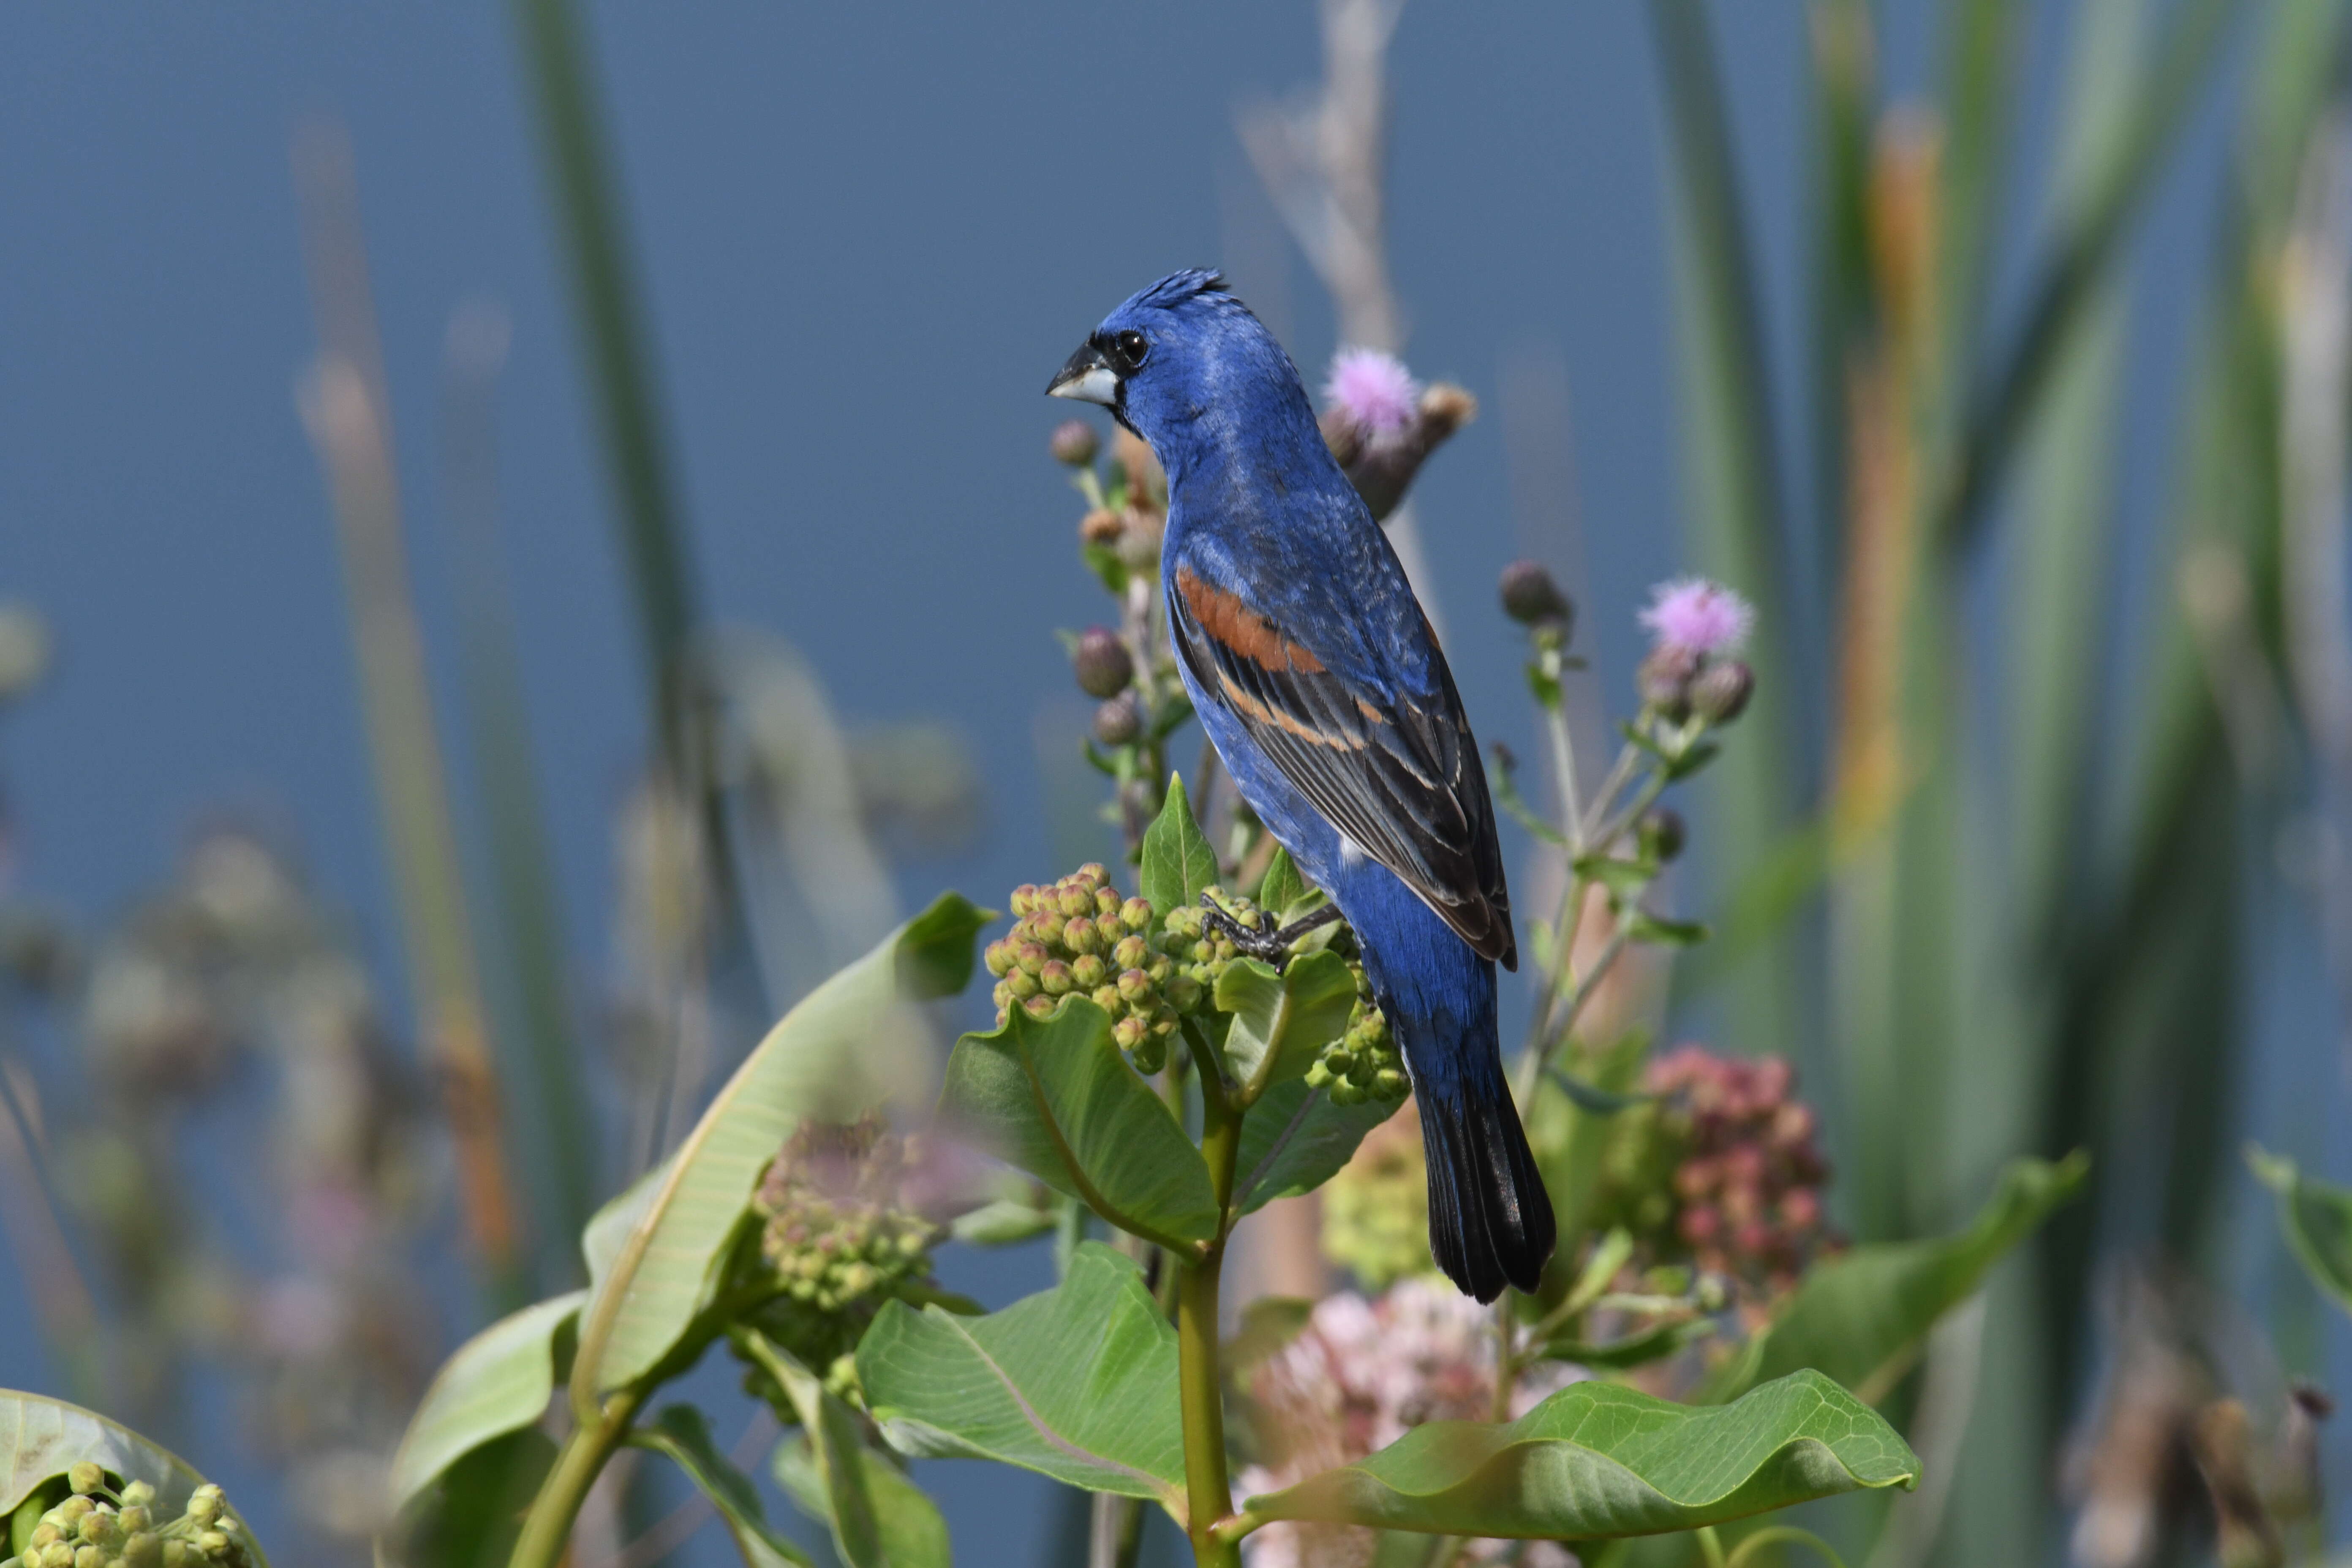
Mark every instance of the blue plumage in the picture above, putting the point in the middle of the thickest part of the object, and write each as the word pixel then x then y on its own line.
pixel 1318 678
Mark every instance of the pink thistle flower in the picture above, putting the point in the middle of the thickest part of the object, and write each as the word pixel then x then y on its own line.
pixel 1374 390
pixel 1699 616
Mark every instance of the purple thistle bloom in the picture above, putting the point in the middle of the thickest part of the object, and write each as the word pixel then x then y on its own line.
pixel 1374 390
pixel 1699 616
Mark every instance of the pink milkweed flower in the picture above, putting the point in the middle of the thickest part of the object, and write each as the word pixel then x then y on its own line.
pixel 1699 616
pixel 1374 390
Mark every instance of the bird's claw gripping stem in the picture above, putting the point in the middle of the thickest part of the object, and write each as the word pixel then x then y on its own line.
pixel 1269 946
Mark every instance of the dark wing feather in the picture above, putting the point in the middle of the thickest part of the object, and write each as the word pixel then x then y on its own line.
pixel 1399 774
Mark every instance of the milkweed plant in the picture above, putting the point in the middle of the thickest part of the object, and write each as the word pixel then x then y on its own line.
pixel 1178 1040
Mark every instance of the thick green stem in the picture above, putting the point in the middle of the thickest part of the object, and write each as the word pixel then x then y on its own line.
pixel 1209 1495
pixel 547 1528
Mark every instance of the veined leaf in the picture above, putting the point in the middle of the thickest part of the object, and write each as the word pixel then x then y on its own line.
pixel 1283 885
pixel 1280 1022
pixel 1179 865
pixel 1054 1097
pixel 2317 1219
pixel 861 1527
pixel 840 1052
pixel 1860 1316
pixel 42 1438
pixel 1654 1344
pixel 1599 1459
pixel 497 1383
pixel 1295 1139
pixel 913 1533
pixel 1077 1383
pixel 608 1229
pixel 680 1433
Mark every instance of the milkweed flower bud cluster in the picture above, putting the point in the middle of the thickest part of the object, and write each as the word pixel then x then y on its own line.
pixel 97 1527
pixel 1364 1062
pixel 1360 1374
pixel 1724 1169
pixel 1375 1210
pixel 1079 937
pixel 837 1236
pixel 1697 630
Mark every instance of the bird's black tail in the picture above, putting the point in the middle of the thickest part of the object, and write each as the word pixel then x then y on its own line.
pixel 1490 1220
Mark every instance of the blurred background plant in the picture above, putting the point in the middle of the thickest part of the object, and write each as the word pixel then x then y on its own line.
pixel 2038 810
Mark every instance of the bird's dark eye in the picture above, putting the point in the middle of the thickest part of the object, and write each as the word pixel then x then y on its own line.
pixel 1130 348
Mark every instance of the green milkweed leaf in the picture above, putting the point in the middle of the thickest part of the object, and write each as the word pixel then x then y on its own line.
pixel 1077 1383
pixel 2318 1219
pixel 497 1383
pixel 1295 1139
pixel 42 1438
pixel 1599 1459
pixel 1054 1097
pixel 1280 1022
pixel 1179 865
pixel 682 1435
pixel 844 1048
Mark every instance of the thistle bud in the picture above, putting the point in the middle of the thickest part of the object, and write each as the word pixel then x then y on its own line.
pixel 1101 662
pixel 1118 722
pixel 1531 598
pixel 1100 526
pixel 1721 692
pixel 1073 442
pixel 86 1478
pixel 1660 834
pixel 1665 679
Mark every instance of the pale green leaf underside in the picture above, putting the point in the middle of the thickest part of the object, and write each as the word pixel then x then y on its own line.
pixel 846 1047
pixel 1295 1140
pixel 1077 1383
pixel 1599 1459
pixel 41 1438
pixel 1054 1097
pixel 497 1383
pixel 1281 1022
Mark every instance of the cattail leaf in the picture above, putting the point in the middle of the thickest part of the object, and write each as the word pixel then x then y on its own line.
pixel 497 1383
pixel 848 1046
pixel 1054 1097
pixel 1597 1460
pixel 1178 864
pixel 1861 1317
pixel 2317 1219
pixel 1077 1383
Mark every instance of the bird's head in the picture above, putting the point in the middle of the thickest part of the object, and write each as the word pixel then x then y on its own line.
pixel 1181 349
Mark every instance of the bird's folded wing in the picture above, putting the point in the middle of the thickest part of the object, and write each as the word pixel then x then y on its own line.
pixel 1396 773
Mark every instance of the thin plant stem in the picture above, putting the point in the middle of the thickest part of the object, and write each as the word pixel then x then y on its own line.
pixel 1772 1536
pixel 547 1528
pixel 1208 1490
pixel 1710 1546
pixel 1563 762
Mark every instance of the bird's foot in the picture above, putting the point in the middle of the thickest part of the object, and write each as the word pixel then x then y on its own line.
pixel 1268 945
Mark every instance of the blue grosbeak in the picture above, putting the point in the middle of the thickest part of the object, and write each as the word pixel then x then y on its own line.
pixel 1318 678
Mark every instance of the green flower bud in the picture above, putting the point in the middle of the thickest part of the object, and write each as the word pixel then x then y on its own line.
pixel 45 1532
pixel 176 1553
pixel 1101 663
pixel 1030 958
pixel 1076 898
pixel 213 1542
pixel 1660 834
pixel 87 1477
pixel 100 1527
pixel 1088 971
pixel 1135 985
pixel 1721 692
pixel 1128 1033
pixel 1135 914
pixel 1021 983
pixel 1082 936
pixel 1184 993
pixel 1039 1006
pixel 1130 954
pixel 138 1494
pixel 1046 926
pixel 1055 978
pixel 1391 1084
pixel 1120 721
pixel 1151 1055
pixel 1531 598
pixel 134 1517
pixel 89 1557
pixel 998 957
pixel 143 1550
pixel 56 1554
pixel 1665 679
pixel 70 1511
pixel 1107 997
pixel 1346 1093
pixel 1024 900
pixel 1073 443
